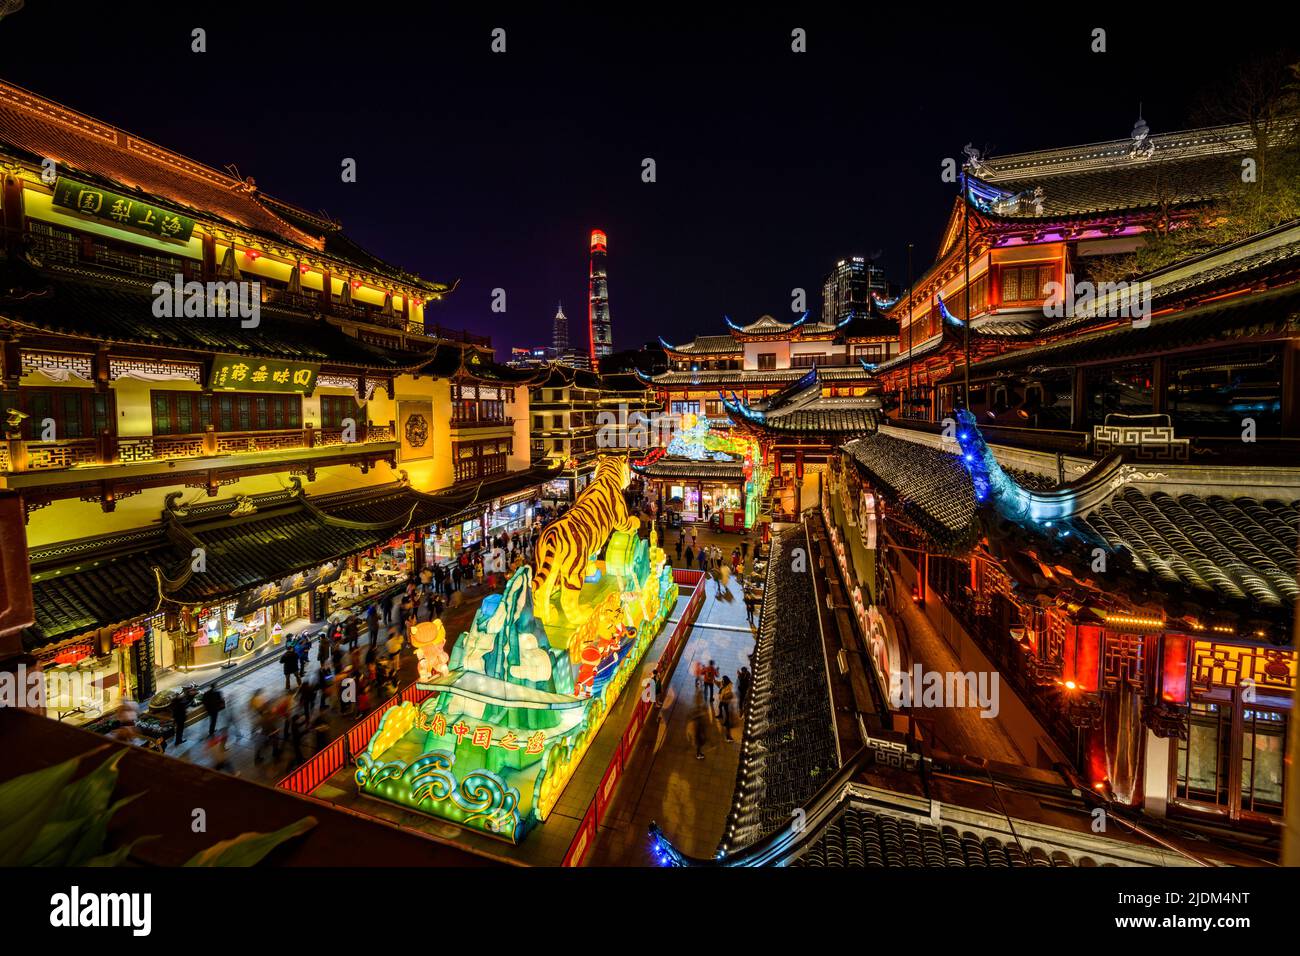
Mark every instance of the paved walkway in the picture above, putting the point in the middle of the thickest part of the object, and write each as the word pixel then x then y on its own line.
pixel 958 730
pixel 665 783
pixel 270 678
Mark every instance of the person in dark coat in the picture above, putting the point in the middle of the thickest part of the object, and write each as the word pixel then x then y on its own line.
pixel 372 620
pixel 214 702
pixel 744 681
pixel 690 554
pixel 289 663
pixel 322 650
pixel 180 709
pixel 352 631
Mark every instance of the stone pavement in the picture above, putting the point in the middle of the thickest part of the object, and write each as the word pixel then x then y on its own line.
pixel 236 718
pixel 664 782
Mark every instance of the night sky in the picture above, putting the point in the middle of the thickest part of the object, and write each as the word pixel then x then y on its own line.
pixel 494 168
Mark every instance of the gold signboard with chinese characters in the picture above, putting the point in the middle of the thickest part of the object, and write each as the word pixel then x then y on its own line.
pixel 122 210
pixel 245 374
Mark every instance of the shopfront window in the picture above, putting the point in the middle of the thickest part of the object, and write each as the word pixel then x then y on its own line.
pixel 335 408
pixel 1118 389
pixel 1211 394
pixel 1233 759
pixel 75 412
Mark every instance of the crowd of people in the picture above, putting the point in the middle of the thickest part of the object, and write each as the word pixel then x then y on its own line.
pixel 346 678
pixel 731 700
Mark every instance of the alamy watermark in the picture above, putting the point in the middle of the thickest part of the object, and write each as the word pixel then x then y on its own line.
pixel 65 690
pixel 208 300
pixel 635 429
pixel 1107 300
pixel 931 689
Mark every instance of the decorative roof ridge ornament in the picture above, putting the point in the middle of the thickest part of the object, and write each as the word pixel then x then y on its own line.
pixel 732 325
pixel 1040 511
pixel 975 161
pixel 948 316
pixel 868 367
pixel 666 345
pixel 1142 147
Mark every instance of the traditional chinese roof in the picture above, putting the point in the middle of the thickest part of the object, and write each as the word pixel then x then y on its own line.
pixel 89 149
pixel 1272 313
pixel 690 468
pixel 741 378
pixel 801 407
pixel 1239 551
pixel 867 325
pixel 1183 168
pixel 788 740
pixel 1272 256
pixel 451 360
pixel 121 311
pixel 933 487
pixel 112 583
pixel 707 345
pixel 862 836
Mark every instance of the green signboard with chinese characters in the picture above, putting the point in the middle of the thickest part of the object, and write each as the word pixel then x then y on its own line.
pixel 122 210
pixel 245 374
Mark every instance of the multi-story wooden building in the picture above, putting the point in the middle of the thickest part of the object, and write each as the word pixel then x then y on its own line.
pixel 577 415
pixel 217 405
pixel 1107 518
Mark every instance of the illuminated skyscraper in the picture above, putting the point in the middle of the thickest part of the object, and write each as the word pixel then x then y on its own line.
pixel 602 331
pixel 849 287
pixel 560 332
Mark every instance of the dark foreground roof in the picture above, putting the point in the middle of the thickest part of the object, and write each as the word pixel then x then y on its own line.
pixel 859 837
pixel 933 487
pixel 788 744
pixel 1239 551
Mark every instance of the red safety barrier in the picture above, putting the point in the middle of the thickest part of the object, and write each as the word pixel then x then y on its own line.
pixel 687 576
pixel 336 753
pixel 583 839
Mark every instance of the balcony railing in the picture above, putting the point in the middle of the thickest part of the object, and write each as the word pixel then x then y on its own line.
pixel 497 421
pixel 17 455
pixel 1205 449
pixel 483 466
pixel 55 246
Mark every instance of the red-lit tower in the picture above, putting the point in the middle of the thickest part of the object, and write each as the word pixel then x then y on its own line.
pixel 598 324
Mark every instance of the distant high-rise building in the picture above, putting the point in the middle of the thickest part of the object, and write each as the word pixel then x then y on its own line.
pixel 560 331
pixel 602 331
pixel 849 286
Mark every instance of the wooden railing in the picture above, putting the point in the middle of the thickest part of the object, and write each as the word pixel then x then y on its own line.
pixel 17 455
pixel 499 420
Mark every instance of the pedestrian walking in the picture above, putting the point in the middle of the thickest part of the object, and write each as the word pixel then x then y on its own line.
pixel 180 709
pixel 709 678
pixel 744 682
pixel 214 702
pixel 289 664
pixel 744 549
pixel 690 554
pixel 352 631
pixel 697 729
pixel 726 699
